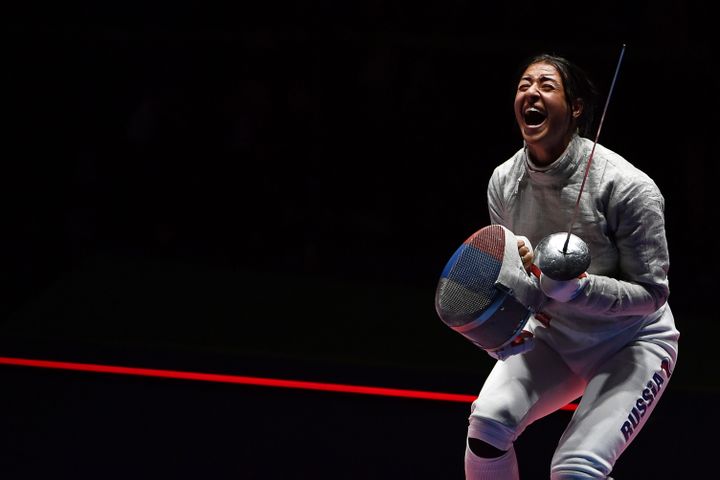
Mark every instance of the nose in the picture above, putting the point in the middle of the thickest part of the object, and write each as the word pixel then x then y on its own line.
pixel 532 92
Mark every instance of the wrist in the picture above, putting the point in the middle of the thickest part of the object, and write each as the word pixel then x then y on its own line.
pixel 563 290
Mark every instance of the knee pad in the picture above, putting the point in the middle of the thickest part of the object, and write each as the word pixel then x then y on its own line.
pixel 483 449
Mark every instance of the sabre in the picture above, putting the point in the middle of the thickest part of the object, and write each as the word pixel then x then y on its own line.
pixel 592 152
pixel 559 263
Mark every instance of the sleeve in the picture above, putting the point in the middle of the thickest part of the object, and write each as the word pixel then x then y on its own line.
pixel 494 199
pixel 642 284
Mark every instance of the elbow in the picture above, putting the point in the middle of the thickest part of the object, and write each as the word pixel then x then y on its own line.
pixel 660 295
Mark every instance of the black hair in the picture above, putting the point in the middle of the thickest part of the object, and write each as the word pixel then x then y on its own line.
pixel 577 85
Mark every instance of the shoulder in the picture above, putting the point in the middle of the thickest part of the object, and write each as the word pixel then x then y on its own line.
pixel 625 178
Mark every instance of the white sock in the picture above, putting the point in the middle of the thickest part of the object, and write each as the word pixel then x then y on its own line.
pixel 504 467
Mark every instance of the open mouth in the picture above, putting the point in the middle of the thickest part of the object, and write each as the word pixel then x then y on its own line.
pixel 534 117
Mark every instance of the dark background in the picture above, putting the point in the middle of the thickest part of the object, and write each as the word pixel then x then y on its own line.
pixel 273 189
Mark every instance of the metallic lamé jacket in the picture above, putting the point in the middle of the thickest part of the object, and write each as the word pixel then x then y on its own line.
pixel 621 218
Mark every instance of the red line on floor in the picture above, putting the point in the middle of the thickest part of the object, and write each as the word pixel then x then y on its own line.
pixel 244 380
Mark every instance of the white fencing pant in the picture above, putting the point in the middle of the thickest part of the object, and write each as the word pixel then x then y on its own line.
pixel 617 400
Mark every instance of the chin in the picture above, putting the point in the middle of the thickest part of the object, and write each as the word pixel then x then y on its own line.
pixel 534 138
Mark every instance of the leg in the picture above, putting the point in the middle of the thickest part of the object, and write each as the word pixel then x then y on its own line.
pixel 615 406
pixel 503 467
pixel 517 392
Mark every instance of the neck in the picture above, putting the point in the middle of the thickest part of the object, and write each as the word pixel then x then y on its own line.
pixel 544 155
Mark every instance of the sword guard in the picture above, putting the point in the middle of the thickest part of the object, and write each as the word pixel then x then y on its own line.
pixel 560 263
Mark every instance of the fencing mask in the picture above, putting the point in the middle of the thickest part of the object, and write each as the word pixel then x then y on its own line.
pixel 484 292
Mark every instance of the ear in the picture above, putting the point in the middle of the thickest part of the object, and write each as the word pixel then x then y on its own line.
pixel 577 108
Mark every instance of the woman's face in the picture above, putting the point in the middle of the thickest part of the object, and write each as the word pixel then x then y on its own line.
pixel 546 121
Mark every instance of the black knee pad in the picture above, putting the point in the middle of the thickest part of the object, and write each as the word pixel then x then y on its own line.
pixel 483 449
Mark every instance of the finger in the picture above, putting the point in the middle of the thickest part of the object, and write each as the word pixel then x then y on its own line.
pixel 526 259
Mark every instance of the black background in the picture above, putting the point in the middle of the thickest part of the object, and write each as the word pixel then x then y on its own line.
pixel 274 188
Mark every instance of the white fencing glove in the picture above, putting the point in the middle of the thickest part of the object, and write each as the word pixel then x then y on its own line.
pixel 563 290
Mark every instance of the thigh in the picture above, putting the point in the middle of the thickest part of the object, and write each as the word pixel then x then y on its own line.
pixel 524 388
pixel 616 404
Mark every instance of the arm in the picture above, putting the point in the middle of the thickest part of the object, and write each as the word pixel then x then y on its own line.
pixel 641 287
pixel 495 204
